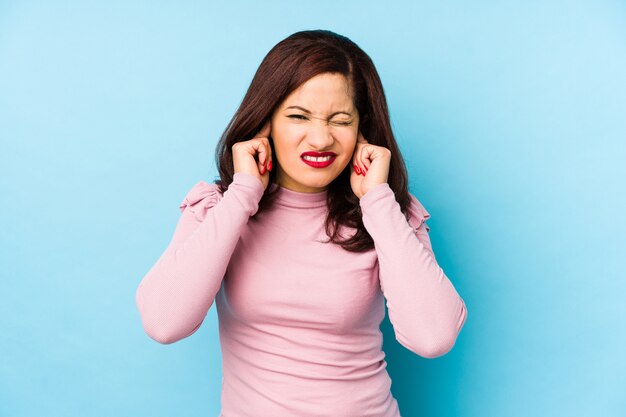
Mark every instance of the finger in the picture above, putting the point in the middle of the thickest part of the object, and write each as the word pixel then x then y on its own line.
pixel 268 150
pixel 262 156
pixel 360 159
pixel 355 160
pixel 362 142
pixel 364 158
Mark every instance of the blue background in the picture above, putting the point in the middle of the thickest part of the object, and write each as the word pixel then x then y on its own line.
pixel 511 117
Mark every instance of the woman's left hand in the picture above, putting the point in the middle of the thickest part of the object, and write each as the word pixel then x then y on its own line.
pixel 373 164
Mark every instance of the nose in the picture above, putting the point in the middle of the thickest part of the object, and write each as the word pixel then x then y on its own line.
pixel 319 136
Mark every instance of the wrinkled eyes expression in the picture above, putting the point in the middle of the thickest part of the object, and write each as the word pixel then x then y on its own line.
pixel 302 118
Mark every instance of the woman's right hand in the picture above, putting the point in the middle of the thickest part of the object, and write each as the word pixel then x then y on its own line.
pixel 254 156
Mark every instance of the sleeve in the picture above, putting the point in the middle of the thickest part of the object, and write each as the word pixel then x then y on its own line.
pixel 425 309
pixel 175 295
pixel 417 219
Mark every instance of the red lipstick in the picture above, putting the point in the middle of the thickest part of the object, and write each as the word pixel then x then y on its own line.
pixel 318 164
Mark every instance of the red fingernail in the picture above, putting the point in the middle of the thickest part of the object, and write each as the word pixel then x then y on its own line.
pixel 356 168
pixel 269 166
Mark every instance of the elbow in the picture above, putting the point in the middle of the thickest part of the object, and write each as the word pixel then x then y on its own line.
pixel 439 344
pixel 430 350
pixel 164 335
pixel 437 350
pixel 151 324
pixel 446 342
pixel 160 336
pixel 156 326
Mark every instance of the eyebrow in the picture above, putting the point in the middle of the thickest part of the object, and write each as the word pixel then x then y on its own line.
pixel 308 112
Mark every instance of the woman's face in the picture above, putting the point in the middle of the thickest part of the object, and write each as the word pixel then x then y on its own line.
pixel 319 116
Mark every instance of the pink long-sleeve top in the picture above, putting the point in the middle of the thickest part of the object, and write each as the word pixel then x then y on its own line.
pixel 299 319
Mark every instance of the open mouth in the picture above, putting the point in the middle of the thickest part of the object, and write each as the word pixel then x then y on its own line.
pixel 318 162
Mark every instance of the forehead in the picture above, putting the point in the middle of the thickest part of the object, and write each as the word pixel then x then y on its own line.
pixel 322 93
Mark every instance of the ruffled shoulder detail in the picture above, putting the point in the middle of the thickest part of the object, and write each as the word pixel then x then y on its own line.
pixel 200 199
pixel 417 214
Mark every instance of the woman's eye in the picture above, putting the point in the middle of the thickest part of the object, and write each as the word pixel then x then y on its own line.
pixel 301 117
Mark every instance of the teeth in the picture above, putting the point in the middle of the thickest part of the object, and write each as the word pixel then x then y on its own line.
pixel 319 159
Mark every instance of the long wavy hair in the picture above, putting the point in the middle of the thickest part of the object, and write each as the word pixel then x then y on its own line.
pixel 289 64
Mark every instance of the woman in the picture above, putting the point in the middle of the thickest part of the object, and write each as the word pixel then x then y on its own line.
pixel 310 228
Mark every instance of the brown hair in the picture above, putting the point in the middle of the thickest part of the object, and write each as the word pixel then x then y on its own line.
pixel 290 63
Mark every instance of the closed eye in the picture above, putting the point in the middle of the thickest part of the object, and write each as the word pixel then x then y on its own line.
pixel 301 117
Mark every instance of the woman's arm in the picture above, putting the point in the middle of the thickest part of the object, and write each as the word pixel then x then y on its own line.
pixel 175 295
pixel 425 310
